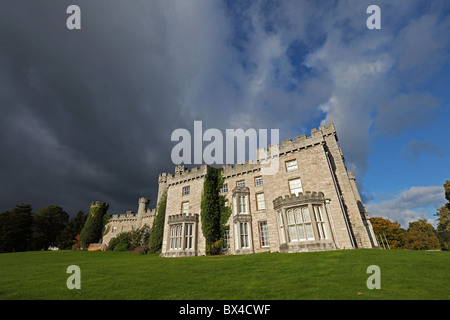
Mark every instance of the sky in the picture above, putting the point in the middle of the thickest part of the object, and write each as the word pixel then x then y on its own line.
pixel 87 115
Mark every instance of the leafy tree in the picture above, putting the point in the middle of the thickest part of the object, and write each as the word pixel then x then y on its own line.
pixel 443 214
pixel 421 236
pixel 391 230
pixel 16 229
pixel 92 230
pixel 157 232
pixel 48 224
pixel 73 228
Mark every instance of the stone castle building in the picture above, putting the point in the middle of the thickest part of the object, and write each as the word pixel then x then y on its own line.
pixel 310 204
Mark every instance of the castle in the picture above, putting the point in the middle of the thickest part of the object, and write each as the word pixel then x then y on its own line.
pixel 310 204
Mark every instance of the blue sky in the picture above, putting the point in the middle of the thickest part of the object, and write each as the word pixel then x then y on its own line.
pixel 93 109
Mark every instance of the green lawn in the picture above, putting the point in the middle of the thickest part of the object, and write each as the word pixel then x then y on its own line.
pixel 322 275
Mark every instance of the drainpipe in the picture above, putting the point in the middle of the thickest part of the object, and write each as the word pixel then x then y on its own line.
pixel 340 201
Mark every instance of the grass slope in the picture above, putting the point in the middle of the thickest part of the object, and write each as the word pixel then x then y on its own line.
pixel 322 275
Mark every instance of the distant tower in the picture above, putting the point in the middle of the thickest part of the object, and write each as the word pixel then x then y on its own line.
pixel 162 186
pixel 143 204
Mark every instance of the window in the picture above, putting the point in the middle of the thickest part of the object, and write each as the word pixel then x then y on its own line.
pixel 242 204
pixel 264 233
pixel 133 227
pixel 123 228
pixel 299 224
pixel 225 203
pixel 295 186
pixel 114 229
pixel 260 204
pixel 320 222
pixel 186 190
pixel 188 235
pixel 243 226
pixel 226 239
pixel 224 188
pixel 185 207
pixel 240 184
pixel 291 165
pixel 175 237
pixel 258 181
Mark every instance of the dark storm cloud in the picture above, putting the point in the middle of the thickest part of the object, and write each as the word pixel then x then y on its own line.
pixel 85 114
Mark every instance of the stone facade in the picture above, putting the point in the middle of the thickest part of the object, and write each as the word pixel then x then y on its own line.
pixel 310 204
pixel 129 221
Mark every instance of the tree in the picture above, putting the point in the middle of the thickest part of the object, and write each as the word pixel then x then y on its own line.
pixel 48 224
pixel 421 236
pixel 391 230
pixel 443 214
pixel 157 231
pixel 16 229
pixel 73 228
pixel 92 230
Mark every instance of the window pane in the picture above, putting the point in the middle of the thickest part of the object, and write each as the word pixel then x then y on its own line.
pixel 309 231
pixel 292 233
pixel 290 217
pixel 301 232
pixel 264 231
pixel 244 234
pixel 295 186
pixel 291 165
pixel 224 188
pixel 305 213
pixel 242 204
pixel 260 201
pixel 185 207
pixel 298 216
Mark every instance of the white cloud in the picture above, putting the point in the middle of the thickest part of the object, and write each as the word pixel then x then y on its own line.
pixel 409 205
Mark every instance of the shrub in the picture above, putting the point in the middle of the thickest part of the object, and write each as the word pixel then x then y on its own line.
pixel 142 249
pixel 121 247
pixel 129 240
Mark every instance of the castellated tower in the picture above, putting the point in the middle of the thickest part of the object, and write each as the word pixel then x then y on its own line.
pixel 162 186
pixel 142 209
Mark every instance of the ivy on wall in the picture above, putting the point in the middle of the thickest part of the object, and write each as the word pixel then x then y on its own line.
pixel 214 213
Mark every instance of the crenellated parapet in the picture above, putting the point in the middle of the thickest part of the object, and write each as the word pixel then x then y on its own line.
pixel 301 198
pixel 301 142
pixel 182 217
pixel 98 204
pixel 183 174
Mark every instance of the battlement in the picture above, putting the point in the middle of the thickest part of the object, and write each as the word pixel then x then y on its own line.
pixel 300 142
pixel 183 174
pixel 241 190
pixel 98 204
pixel 302 198
pixel 238 169
pixel 182 217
